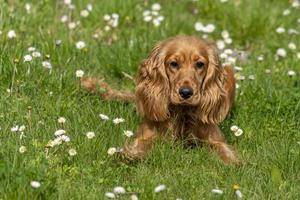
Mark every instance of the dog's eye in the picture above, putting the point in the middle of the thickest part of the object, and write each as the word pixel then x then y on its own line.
pixel 199 65
pixel 174 64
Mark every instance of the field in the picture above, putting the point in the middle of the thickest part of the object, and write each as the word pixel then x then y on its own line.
pixel 43 44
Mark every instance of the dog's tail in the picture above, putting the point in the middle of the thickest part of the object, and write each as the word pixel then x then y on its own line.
pixel 106 92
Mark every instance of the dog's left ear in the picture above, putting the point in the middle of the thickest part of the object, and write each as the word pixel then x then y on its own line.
pixel 214 104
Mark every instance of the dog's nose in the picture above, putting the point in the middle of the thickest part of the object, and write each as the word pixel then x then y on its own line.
pixel 186 92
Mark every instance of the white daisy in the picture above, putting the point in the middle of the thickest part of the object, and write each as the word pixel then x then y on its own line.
pixel 280 30
pixel 128 133
pixel 234 128
pixel 11 34
pixel 159 188
pixel 22 149
pixel 36 54
pixel 228 40
pixel 291 73
pixel 72 152
pixel 286 12
pixel 110 195
pixel 292 46
pixel 46 65
pixel 103 117
pixel 156 7
pixel 35 184
pixel 61 120
pixel 79 73
pixel 59 132
pixel 64 18
pixel 27 58
pixel 80 44
pixel 14 129
pixel 198 26
pixel 118 120
pixel 238 133
pixel 106 17
pixel 90 135
pixel 89 7
pixel 22 128
pixel 65 138
pixel 119 190
pixel 225 34
pixel 239 194
pixel 217 191
pixel 111 151
pixel 260 58
pixel 220 44
pixel 31 49
pixel 281 52
pixel 84 13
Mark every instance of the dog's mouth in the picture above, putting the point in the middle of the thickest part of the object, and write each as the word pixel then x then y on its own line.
pixel 192 101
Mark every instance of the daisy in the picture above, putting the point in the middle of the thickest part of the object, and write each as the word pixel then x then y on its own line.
pixel 134 197
pixel 220 44
pixel 89 7
pixel 14 129
pixel 118 120
pixel 80 44
pixel 35 184
pixel 260 58
pixel 292 46
pixel 72 152
pixel 281 52
pixel 79 73
pixel 234 128
pixel 119 190
pixel 110 195
pixel 128 133
pixel 27 58
pixel 291 73
pixel 36 54
pixel 61 120
pixel 238 133
pixel 22 149
pixel 46 65
pixel 59 132
pixel 103 117
pixel 90 135
pixel 225 34
pixel 217 191
pixel 159 188
pixel 209 28
pixel 22 128
pixel 31 49
pixel 286 12
pixel 280 30
pixel 84 13
pixel 298 55
pixel 156 7
pixel 11 34
pixel 111 151
pixel 64 18
pixel 65 138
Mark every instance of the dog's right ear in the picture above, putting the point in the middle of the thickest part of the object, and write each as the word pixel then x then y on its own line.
pixel 152 91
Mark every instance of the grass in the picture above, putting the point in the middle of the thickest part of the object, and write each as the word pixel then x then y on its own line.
pixel 267 108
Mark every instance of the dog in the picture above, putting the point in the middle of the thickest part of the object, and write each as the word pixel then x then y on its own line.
pixel 182 90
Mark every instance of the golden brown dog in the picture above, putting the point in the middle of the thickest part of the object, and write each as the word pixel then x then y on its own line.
pixel 182 90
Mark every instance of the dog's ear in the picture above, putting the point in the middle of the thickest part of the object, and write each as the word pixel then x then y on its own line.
pixel 152 91
pixel 214 105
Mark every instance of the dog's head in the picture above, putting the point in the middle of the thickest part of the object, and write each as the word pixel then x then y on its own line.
pixel 182 71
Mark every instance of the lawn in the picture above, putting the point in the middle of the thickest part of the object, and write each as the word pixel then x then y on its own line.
pixel 109 37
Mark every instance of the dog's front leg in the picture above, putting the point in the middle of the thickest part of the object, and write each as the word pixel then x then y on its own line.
pixel 211 134
pixel 146 135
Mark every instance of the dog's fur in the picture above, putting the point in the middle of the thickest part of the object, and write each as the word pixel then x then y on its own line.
pixel 181 61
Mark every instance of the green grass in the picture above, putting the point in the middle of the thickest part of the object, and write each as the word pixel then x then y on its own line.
pixel 267 108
